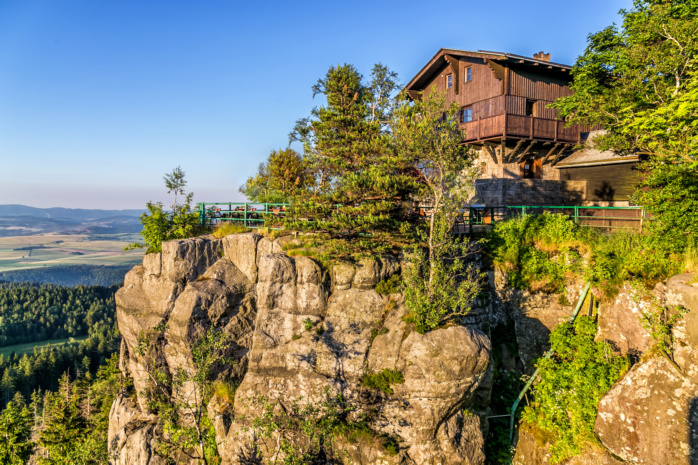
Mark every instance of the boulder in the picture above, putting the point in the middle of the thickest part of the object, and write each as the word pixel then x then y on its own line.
pixel 650 415
pixel 620 322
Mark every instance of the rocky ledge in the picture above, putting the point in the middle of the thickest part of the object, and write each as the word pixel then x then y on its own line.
pixel 299 333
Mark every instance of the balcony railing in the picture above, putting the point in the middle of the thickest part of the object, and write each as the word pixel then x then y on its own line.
pixel 517 126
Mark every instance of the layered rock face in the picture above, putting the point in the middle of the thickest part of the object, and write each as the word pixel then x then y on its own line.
pixel 299 332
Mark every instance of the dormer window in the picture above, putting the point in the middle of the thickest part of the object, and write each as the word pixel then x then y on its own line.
pixel 449 81
pixel 467 115
pixel 468 74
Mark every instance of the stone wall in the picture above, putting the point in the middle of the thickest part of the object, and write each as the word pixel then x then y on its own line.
pixel 501 192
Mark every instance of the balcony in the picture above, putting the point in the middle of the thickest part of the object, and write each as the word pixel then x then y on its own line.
pixel 520 127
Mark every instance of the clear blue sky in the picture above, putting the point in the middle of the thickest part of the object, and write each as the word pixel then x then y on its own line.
pixel 98 99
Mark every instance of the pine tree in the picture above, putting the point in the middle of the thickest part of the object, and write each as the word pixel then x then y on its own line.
pixel 359 185
pixel 15 432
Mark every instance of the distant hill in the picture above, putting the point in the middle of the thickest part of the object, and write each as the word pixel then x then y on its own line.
pixel 20 220
pixel 78 214
pixel 69 275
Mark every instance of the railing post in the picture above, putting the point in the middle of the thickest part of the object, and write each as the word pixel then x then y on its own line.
pixel 202 217
pixel 531 126
pixel 244 216
pixel 523 211
pixel 576 214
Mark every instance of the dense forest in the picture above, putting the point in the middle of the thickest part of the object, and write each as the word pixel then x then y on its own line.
pixel 70 275
pixel 38 312
pixel 56 400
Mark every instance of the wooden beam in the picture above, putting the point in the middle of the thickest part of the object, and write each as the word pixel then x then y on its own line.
pixel 490 150
pixel 525 152
pixel 454 64
pixel 512 155
pixel 550 152
pixel 502 149
pixel 559 154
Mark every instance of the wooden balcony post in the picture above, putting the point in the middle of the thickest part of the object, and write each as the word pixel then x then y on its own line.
pixel 557 125
pixel 479 127
pixel 531 126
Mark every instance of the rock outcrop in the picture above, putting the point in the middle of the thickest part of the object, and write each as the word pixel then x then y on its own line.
pixel 299 333
pixel 651 415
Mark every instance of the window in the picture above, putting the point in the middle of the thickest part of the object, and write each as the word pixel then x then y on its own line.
pixel 466 115
pixel 530 107
pixel 468 74
pixel 449 81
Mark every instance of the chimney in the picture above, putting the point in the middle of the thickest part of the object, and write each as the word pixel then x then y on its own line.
pixel 542 56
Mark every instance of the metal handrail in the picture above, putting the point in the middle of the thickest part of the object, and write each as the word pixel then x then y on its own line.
pixel 512 413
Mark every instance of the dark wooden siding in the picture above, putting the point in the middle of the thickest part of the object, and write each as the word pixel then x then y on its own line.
pixel 605 182
pixel 482 86
pixel 537 86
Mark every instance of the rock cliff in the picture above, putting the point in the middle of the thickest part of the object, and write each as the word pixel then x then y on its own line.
pixel 299 333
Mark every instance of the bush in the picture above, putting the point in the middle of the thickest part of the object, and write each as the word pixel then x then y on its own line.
pixel 383 380
pixel 389 286
pixel 541 252
pixel 572 382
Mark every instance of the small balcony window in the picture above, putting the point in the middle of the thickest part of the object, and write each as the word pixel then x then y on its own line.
pixel 449 81
pixel 466 115
pixel 468 74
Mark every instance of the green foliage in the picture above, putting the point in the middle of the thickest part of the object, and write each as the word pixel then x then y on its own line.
pixel 658 320
pixel 439 286
pixel 383 380
pixel 640 82
pixel 572 382
pixel 69 275
pixel 180 398
pixel 541 252
pixel 159 225
pixel 38 312
pixel 285 174
pixel 669 193
pixel 355 200
pixel 306 432
pixel 76 417
pixel 16 425
pixel 389 285
pixel 308 324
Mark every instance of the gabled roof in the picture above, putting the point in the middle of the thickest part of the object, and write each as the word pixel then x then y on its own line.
pixel 589 155
pixel 439 61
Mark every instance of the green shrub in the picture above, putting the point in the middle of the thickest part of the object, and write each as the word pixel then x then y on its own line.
pixel 541 252
pixel 572 382
pixel 389 286
pixel 383 380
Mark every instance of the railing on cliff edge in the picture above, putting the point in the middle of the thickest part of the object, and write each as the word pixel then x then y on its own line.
pixel 475 218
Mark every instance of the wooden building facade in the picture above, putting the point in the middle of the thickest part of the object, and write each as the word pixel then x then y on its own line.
pixel 505 115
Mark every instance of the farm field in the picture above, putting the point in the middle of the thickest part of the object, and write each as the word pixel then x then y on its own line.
pixel 41 250
pixel 28 348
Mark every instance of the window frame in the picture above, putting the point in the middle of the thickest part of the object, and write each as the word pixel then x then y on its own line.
pixel 469 112
pixel 468 72
pixel 449 81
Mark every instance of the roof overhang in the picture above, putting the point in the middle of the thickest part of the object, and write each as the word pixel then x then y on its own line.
pixel 440 60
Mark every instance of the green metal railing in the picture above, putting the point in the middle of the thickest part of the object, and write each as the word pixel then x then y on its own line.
pixel 247 214
pixel 479 217
pixel 252 215
pixel 534 376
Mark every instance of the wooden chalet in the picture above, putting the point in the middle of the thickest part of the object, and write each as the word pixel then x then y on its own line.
pixel 504 114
